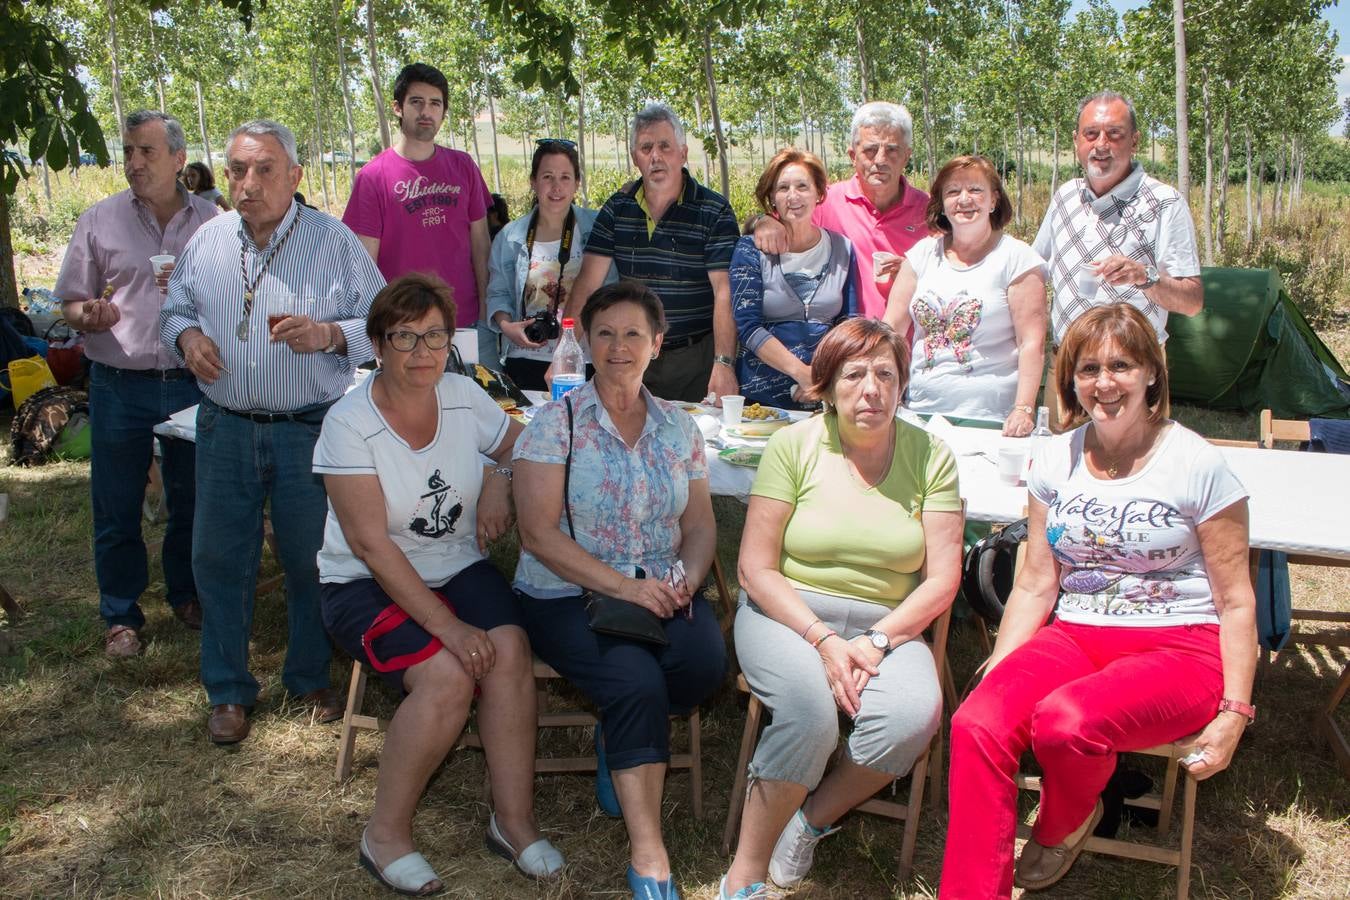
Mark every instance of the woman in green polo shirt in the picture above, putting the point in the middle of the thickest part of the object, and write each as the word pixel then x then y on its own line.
pixel 852 546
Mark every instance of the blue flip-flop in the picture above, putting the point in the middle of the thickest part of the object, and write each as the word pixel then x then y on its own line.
pixel 644 887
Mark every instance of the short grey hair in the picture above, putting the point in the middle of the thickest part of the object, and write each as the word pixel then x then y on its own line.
pixel 880 114
pixel 173 129
pixel 266 128
pixel 1106 97
pixel 655 113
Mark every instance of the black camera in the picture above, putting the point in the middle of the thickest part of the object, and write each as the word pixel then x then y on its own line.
pixel 543 327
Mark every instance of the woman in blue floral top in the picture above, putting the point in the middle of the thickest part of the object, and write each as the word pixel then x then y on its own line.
pixel 641 530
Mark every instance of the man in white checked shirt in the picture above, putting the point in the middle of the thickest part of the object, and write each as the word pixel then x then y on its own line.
pixel 266 392
pixel 1118 234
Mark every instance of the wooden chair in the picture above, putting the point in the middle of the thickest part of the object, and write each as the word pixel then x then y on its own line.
pixel 928 765
pixel 1179 855
pixel 1272 430
pixel 355 721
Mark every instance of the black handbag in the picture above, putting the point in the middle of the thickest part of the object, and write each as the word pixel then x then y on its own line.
pixel 610 615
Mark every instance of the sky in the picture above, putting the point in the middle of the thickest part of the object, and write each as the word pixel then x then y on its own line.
pixel 1339 17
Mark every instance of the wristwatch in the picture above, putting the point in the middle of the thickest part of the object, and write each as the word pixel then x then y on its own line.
pixel 1150 278
pixel 333 340
pixel 725 360
pixel 879 640
pixel 1243 709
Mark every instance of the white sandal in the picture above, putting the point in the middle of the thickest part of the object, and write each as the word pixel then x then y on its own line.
pixel 539 860
pixel 408 875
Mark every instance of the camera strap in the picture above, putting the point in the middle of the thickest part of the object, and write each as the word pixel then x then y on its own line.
pixel 564 251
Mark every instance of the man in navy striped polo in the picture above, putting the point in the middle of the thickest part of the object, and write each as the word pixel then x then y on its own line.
pixel 266 389
pixel 675 236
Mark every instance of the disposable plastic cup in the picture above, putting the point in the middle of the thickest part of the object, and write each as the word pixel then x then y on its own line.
pixel 1012 463
pixel 732 407
pixel 159 263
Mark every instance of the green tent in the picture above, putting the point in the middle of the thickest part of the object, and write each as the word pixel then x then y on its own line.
pixel 1251 349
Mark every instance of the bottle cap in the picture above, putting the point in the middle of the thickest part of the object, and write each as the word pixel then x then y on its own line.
pixel 569 322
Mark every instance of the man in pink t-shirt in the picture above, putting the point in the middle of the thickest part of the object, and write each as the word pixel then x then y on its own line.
pixel 876 209
pixel 419 207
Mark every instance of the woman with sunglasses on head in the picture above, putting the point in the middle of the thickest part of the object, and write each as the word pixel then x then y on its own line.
pixel 1137 542
pixel 535 259
pixel 411 593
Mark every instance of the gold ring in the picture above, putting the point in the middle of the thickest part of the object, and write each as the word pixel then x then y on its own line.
pixel 473 652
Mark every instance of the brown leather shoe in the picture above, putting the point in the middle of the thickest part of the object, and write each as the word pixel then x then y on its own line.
pixel 1039 866
pixel 189 613
pixel 228 723
pixel 121 642
pixel 327 703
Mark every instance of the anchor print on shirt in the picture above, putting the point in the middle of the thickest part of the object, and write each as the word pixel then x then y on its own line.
pixel 951 325
pixel 435 516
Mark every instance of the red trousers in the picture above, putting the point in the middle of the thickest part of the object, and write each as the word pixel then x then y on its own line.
pixel 1075 695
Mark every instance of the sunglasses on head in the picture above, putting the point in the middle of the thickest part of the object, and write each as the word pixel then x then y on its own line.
pixel 550 142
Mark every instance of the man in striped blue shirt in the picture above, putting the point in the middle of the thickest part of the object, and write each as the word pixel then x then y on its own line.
pixel 267 386
pixel 675 236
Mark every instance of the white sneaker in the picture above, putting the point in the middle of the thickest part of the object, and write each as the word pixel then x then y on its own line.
pixel 795 851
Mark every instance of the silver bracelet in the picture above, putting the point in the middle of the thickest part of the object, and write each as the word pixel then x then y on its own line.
pixel 505 471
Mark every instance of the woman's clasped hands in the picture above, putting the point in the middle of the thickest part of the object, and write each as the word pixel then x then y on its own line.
pixel 848 667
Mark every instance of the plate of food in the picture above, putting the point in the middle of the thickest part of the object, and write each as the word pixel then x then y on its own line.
pixel 741 456
pixel 756 412
pixel 760 421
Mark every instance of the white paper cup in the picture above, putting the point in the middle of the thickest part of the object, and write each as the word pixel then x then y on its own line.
pixel 881 258
pixel 157 263
pixel 732 407
pixel 1012 463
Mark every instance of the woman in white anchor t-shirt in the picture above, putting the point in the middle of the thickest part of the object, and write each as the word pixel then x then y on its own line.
pixel 976 300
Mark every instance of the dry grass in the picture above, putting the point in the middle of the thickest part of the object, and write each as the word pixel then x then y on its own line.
pixel 108 785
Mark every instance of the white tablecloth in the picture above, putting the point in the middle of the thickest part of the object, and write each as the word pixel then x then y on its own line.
pixel 1299 501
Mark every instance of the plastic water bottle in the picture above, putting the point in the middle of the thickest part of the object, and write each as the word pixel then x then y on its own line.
pixel 1041 434
pixel 569 366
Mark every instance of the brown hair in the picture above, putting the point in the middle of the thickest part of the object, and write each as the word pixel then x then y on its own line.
pixel 407 299
pixel 1133 334
pixel 851 339
pixel 625 291
pixel 789 156
pixel 999 216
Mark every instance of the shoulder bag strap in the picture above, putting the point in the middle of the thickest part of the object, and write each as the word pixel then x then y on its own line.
pixel 567 471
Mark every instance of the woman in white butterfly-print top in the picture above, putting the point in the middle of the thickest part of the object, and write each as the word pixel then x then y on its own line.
pixel 976 299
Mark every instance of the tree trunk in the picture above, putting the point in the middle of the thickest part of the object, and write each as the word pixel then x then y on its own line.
pixel 155 59
pixel 806 131
pixel 201 125
pixel 929 133
pixel 716 116
pixel 377 89
pixel 46 183
pixel 346 93
pixel 864 76
pixel 1182 124
pixel 1279 187
pixel 1260 190
pixel 9 282
pixel 496 152
pixel 1054 157
pixel 116 70
pixel 318 129
pixel 773 122
pixel 1021 166
pixel 1247 232
pixel 581 141
pixel 1207 216
pixel 1223 177
pixel 703 145
pixel 1294 162
pixel 618 143
pixel 472 127
pixel 763 144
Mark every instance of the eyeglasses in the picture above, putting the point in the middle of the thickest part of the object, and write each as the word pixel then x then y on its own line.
pixel 1091 371
pixel 406 341
pixel 550 142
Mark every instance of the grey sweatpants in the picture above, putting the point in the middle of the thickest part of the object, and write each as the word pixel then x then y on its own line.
pixel 900 711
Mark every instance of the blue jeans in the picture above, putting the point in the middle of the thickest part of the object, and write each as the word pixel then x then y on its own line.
pixel 240 466
pixel 124 408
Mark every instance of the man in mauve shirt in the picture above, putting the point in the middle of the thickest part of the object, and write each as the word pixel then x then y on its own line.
pixel 108 291
pixel 876 209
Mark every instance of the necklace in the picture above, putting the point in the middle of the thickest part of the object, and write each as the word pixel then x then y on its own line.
pixel 1112 463
pixel 856 472
pixel 242 331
